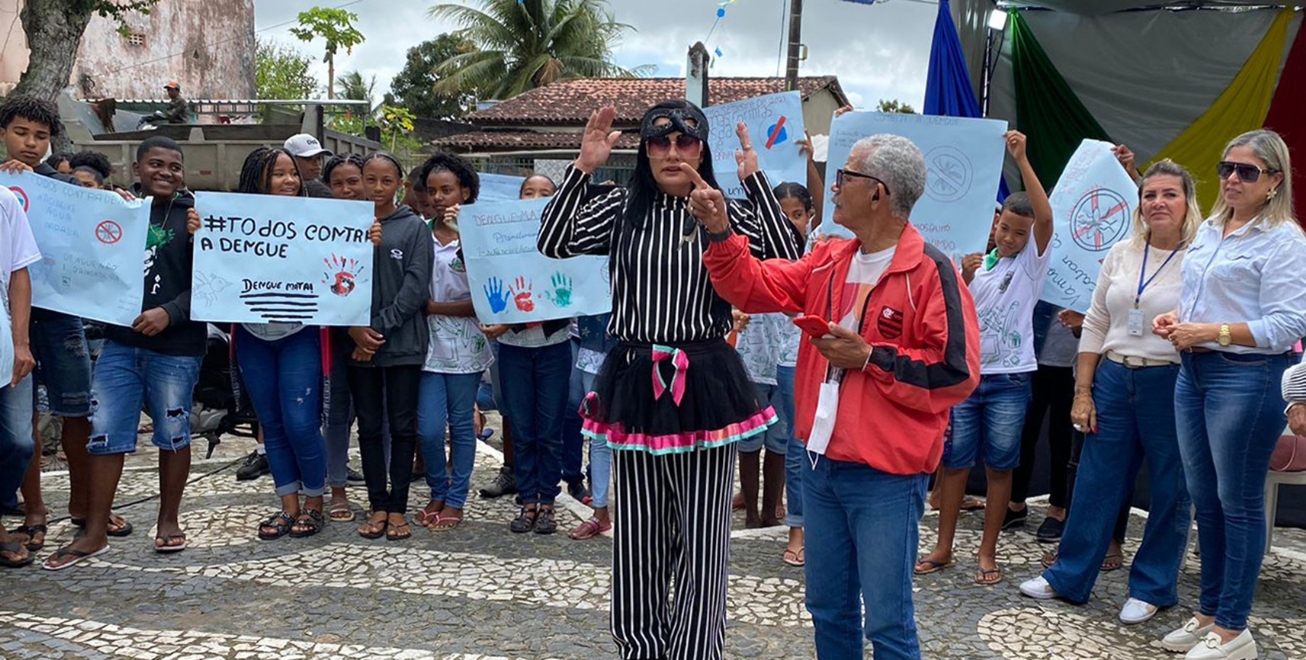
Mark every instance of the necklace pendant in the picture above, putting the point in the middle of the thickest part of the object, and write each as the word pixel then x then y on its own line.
pixel 689 238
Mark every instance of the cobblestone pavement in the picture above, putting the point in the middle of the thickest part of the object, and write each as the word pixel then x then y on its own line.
pixel 482 593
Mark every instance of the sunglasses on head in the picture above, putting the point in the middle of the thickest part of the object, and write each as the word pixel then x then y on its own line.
pixel 1247 172
pixel 687 146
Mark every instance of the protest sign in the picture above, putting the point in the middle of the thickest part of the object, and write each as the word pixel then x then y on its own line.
pixel 964 161
pixel 512 282
pixel 265 258
pixel 500 187
pixel 1093 209
pixel 92 246
pixel 775 125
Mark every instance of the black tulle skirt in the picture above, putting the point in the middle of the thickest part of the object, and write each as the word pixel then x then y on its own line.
pixel 671 399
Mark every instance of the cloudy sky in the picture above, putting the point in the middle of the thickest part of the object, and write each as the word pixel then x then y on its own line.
pixel 878 52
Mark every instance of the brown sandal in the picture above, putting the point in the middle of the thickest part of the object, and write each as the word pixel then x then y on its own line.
pixel 398 532
pixel 375 527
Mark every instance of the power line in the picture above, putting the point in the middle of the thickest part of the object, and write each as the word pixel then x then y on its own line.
pixel 222 41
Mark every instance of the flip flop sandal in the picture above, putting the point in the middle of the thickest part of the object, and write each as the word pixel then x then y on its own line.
pixel 972 504
pixel 377 532
pixel 982 576
pixel 14 547
pixel 397 535
pixel 426 518
pixel 588 530
pixel 340 512
pixel 125 530
pixel 933 566
pixel 77 555
pixel 311 518
pixel 1108 566
pixel 280 524
pixel 443 523
pixel 168 546
pixel 30 531
pixel 797 557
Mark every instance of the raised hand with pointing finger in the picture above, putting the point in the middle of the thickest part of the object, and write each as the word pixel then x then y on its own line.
pixel 706 203
pixel 598 140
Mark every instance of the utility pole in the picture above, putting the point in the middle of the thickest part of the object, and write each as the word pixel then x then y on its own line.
pixel 795 43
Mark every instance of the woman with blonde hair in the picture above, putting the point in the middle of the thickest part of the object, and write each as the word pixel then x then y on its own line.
pixel 1242 307
pixel 1124 403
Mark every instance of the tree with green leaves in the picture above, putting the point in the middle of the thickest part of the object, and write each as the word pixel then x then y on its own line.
pixel 894 105
pixel 351 86
pixel 414 87
pixel 524 44
pixel 281 72
pixel 336 27
pixel 54 30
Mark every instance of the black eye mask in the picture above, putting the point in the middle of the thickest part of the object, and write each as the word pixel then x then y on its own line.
pixel 680 119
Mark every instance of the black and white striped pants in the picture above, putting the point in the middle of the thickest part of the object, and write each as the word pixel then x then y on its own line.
pixel 672 519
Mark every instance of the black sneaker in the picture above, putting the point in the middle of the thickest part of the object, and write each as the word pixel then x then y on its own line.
pixel 580 492
pixel 544 522
pixel 504 484
pixel 1014 519
pixel 525 521
pixel 1051 529
pixel 255 466
pixel 354 477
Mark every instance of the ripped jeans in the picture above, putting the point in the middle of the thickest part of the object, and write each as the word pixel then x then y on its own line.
pixel 284 380
pixel 126 376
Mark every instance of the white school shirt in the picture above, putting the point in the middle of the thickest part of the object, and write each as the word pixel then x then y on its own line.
pixel 759 347
pixel 457 345
pixel 17 245
pixel 1004 298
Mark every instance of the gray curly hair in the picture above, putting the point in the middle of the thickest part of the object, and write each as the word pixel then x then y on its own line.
pixel 899 163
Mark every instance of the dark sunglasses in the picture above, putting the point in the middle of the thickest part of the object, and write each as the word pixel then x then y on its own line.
pixel 1247 172
pixel 687 146
pixel 841 174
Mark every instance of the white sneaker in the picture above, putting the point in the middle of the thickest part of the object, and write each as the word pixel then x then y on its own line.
pixel 1242 647
pixel 1137 611
pixel 1038 588
pixel 1184 639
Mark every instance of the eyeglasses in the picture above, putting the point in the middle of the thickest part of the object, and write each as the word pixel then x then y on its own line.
pixel 841 174
pixel 687 146
pixel 1247 172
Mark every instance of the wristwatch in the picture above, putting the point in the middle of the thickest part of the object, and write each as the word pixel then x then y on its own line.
pixel 1225 338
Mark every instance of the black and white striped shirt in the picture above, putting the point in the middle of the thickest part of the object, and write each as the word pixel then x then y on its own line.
pixel 1294 383
pixel 661 292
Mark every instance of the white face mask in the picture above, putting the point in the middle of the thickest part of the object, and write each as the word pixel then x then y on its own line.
pixel 827 409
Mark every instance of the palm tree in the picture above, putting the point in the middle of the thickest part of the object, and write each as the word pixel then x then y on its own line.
pixel 351 86
pixel 524 44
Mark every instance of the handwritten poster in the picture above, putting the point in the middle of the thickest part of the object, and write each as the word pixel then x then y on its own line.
pixel 500 187
pixel 964 160
pixel 1093 209
pixel 92 246
pixel 512 282
pixel 775 125
pixel 264 258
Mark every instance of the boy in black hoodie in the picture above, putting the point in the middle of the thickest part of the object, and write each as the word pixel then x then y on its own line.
pixel 156 361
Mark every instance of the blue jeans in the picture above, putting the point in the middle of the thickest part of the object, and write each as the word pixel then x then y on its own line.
pixel 535 399
pixel 448 399
pixel 16 442
pixel 988 425
pixel 1230 417
pixel 126 377
pixel 1135 420
pixel 795 452
pixel 861 527
pixel 63 363
pixel 573 443
pixel 600 457
pixel 776 437
pixel 284 379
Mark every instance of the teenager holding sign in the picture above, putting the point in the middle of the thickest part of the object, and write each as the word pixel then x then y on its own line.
pixel 672 398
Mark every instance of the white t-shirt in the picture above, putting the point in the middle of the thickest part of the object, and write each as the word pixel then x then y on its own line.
pixel 759 347
pixel 457 345
pixel 863 274
pixel 790 336
pixel 17 246
pixel 1004 299
pixel 590 361
pixel 534 337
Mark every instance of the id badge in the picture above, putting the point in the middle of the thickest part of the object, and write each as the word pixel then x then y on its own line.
pixel 1136 323
pixel 827 408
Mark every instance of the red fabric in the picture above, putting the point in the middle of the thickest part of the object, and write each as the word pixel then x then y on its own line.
pixel 892 416
pixel 1287 114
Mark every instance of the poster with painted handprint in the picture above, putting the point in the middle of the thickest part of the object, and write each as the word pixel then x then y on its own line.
pixel 512 282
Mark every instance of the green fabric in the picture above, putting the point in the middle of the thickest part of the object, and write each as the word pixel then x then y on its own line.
pixel 991 259
pixel 1047 110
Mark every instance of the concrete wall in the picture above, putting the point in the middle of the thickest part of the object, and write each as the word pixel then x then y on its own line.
pixel 818 111
pixel 206 46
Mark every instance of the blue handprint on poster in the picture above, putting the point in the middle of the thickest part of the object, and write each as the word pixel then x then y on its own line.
pixel 518 284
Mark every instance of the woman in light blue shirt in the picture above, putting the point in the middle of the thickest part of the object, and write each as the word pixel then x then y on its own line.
pixel 1242 308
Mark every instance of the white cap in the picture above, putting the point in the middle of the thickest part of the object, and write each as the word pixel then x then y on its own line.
pixel 305 146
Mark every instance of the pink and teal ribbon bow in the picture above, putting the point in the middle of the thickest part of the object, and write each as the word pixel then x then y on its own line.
pixel 680 361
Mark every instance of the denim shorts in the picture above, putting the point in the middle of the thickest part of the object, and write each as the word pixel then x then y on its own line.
pixel 776 438
pixel 988 425
pixel 63 365
pixel 126 377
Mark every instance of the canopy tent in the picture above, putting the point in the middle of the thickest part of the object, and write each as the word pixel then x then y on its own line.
pixel 1170 82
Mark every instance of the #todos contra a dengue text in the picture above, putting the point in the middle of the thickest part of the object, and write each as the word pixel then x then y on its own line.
pixel 248 230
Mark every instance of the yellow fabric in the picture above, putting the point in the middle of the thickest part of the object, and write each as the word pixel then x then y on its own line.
pixel 1240 108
